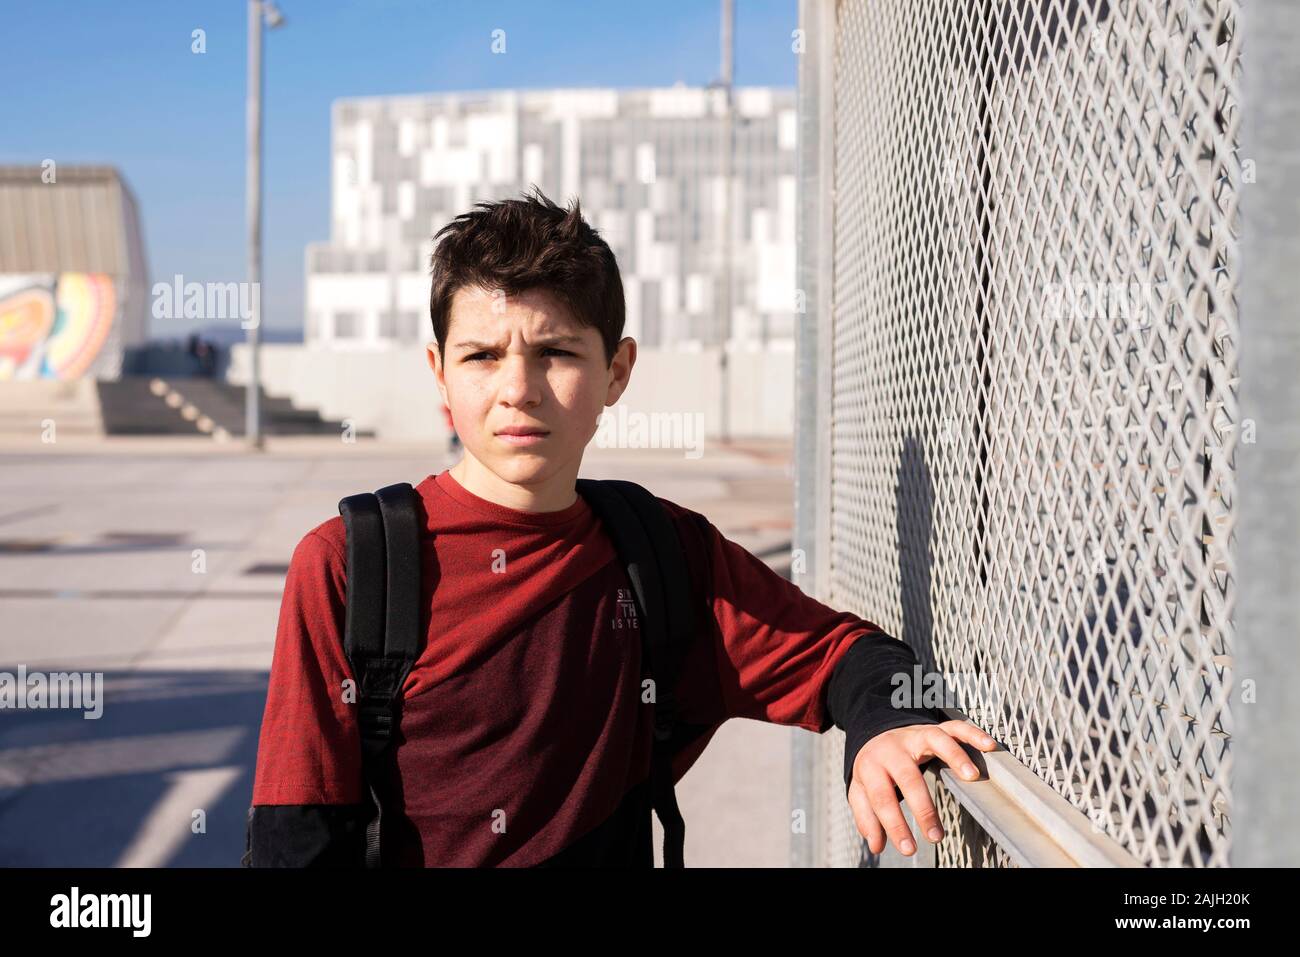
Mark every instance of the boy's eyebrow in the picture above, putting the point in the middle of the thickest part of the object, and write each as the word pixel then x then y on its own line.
pixel 545 341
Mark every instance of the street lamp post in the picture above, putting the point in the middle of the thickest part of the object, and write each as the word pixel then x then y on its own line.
pixel 258 10
pixel 724 377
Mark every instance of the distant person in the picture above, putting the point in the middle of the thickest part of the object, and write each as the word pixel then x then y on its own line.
pixel 207 355
pixel 527 726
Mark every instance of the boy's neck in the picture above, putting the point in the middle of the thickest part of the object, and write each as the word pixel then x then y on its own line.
pixel 555 494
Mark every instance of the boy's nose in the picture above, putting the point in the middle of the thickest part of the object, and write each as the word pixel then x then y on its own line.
pixel 518 382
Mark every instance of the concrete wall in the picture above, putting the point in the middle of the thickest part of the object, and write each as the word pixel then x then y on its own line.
pixel 393 391
pixel 42 410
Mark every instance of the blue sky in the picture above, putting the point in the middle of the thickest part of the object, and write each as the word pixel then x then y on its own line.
pixel 117 83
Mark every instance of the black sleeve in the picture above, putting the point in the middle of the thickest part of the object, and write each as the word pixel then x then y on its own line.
pixel 859 695
pixel 306 835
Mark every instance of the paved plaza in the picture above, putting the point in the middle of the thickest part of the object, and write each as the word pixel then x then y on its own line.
pixel 160 563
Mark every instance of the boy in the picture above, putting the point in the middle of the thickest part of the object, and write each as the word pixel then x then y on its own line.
pixel 524 739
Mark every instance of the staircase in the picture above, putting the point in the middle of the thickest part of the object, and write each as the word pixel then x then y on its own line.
pixel 145 405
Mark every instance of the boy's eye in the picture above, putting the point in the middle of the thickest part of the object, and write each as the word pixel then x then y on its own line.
pixel 480 356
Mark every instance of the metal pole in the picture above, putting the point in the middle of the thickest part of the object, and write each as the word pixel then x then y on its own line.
pixel 804 780
pixel 815 247
pixel 252 418
pixel 724 378
pixel 1264 707
pixel 394 228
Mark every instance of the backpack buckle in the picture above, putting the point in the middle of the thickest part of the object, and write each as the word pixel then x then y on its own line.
pixel 375 718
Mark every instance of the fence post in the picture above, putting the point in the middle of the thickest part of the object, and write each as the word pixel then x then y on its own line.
pixel 812 378
pixel 1265 789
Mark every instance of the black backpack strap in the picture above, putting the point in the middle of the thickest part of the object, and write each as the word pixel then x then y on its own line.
pixel 647 543
pixel 382 626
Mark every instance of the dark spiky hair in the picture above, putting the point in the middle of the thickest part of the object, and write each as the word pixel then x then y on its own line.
pixel 530 243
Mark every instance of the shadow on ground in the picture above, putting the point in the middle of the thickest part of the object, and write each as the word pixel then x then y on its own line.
pixel 123 789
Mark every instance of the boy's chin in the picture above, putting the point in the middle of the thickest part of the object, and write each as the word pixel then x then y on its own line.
pixel 525 466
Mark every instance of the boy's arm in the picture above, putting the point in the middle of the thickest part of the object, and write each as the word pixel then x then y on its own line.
pixel 784 657
pixel 860 695
pixel 777 651
pixel 307 807
pixel 305 835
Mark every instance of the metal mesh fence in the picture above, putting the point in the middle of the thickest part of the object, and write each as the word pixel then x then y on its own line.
pixel 1033 346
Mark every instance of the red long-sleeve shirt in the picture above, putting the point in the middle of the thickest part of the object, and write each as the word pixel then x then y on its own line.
pixel 523 736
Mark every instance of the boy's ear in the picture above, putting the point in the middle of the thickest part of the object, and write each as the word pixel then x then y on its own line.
pixel 620 370
pixel 434 359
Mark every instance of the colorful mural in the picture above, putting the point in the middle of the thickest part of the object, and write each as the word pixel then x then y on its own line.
pixel 53 326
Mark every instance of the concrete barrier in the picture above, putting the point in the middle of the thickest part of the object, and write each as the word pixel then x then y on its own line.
pixel 393 391
pixel 27 407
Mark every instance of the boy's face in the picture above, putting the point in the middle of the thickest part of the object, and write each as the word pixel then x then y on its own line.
pixel 524 361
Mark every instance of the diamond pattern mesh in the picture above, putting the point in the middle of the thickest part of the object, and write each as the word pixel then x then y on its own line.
pixel 1034 390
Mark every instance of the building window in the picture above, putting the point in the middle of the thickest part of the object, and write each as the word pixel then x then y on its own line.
pixel 347 325
pixel 399 326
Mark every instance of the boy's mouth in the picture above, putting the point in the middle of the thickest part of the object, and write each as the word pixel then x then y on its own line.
pixel 522 435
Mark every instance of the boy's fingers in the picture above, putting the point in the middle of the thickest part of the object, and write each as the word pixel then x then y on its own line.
pixel 917 794
pixel 881 794
pixel 970 733
pixel 941 744
pixel 868 826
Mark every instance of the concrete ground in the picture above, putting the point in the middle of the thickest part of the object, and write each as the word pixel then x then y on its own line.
pixel 139 558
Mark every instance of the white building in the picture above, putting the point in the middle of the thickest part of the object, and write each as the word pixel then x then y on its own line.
pixel 644 163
